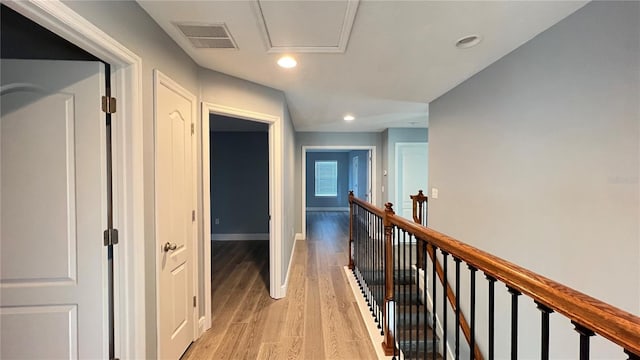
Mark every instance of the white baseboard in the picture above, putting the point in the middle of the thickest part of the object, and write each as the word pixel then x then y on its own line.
pixel 300 236
pixel 283 287
pixel 201 327
pixel 327 209
pixel 239 237
pixel 372 328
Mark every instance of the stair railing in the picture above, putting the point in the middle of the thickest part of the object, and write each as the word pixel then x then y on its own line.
pixel 420 208
pixel 375 257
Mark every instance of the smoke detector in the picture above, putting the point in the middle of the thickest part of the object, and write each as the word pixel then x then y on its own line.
pixel 211 36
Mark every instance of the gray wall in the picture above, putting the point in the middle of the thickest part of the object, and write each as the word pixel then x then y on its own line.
pixel 126 22
pixel 536 160
pixel 392 136
pixel 239 182
pixel 342 198
pixel 331 139
pixel 363 176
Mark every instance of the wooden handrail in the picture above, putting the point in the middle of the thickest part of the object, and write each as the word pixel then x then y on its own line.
pixel 614 324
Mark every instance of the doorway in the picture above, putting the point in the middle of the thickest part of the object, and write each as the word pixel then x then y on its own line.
pixel 326 190
pixel 271 126
pixel 411 174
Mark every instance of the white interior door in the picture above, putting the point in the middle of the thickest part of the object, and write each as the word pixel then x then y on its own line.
pixel 174 225
pixel 354 176
pixel 411 175
pixel 53 210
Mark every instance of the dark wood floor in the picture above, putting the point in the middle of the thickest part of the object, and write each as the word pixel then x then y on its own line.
pixel 318 319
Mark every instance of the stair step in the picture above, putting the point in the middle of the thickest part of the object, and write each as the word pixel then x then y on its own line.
pixel 414 349
pixel 400 277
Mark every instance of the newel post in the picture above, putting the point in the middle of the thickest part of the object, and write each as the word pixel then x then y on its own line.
pixel 418 215
pixel 351 229
pixel 389 341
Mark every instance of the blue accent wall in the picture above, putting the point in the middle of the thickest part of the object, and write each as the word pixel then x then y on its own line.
pixel 240 182
pixel 342 199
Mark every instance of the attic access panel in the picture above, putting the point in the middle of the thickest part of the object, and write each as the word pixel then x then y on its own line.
pixel 307 26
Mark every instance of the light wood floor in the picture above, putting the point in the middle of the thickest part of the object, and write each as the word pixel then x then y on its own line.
pixel 317 320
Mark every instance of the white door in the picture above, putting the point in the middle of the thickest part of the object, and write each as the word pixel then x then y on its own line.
pixel 411 175
pixel 53 210
pixel 174 226
pixel 354 176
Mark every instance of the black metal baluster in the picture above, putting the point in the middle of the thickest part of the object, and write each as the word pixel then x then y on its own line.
pixel 585 334
pixel 369 258
pixel 514 322
pixel 424 296
pixel 457 261
pixel 374 267
pixel 381 282
pixel 434 292
pixel 492 283
pixel 544 341
pixel 444 302
pixel 412 352
pixel 472 342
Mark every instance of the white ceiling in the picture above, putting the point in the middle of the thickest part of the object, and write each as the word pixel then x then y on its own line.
pixel 400 55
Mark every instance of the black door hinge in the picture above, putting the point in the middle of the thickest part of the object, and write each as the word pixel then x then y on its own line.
pixel 108 104
pixel 110 237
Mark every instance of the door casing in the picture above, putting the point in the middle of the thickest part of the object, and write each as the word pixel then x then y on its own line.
pixel 371 182
pixel 276 289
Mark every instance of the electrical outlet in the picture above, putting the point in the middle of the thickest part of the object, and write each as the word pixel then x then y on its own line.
pixel 217 221
pixel 434 193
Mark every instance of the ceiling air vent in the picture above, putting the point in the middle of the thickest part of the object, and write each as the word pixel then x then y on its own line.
pixel 214 36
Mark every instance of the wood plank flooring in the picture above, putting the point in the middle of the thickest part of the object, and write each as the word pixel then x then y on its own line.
pixel 318 319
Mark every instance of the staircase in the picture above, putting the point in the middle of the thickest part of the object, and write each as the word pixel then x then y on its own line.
pixel 414 326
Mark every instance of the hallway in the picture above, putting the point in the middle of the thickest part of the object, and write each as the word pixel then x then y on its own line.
pixel 317 320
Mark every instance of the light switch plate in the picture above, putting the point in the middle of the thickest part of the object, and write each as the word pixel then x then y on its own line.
pixel 434 193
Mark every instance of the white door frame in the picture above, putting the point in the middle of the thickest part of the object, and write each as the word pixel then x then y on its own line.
pixel 126 81
pixel 276 291
pixel 372 174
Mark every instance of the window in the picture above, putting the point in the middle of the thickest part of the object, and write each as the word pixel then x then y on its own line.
pixel 326 178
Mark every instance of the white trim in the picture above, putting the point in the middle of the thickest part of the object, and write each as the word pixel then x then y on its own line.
pixel 275 197
pixel 160 78
pixel 299 236
pixel 240 237
pixel 201 328
pixel 283 287
pixel 126 70
pixel 340 47
pixel 365 313
pixel 328 209
pixel 371 175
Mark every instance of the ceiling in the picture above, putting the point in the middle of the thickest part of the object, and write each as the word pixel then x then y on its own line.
pixel 384 67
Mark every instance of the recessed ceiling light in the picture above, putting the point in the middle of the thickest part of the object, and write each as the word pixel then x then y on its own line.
pixel 349 118
pixel 287 62
pixel 468 41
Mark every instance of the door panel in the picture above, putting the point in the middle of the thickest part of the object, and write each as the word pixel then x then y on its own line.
pixel 174 203
pixel 411 165
pixel 53 210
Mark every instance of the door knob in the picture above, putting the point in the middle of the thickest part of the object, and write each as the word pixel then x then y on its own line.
pixel 169 246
